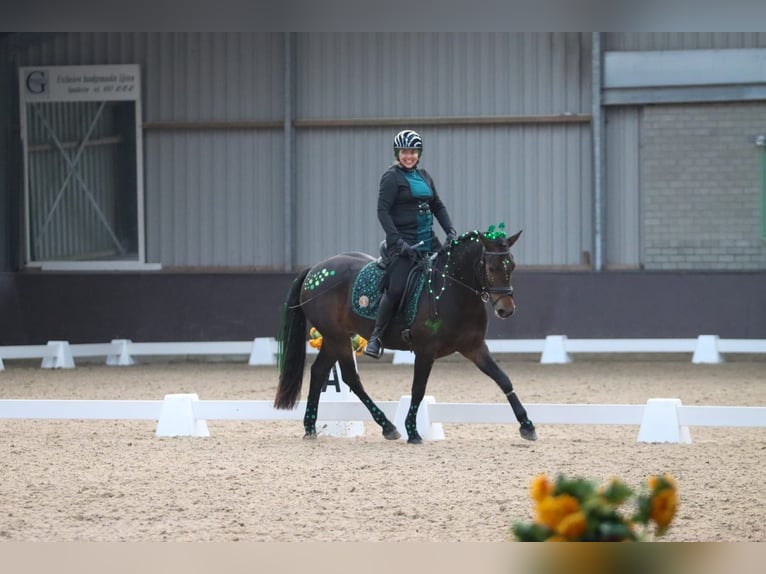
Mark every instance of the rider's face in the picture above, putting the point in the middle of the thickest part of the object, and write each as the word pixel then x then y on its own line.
pixel 409 157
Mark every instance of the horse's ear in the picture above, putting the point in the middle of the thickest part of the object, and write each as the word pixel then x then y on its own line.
pixel 514 238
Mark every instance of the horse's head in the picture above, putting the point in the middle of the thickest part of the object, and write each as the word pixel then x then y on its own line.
pixel 497 265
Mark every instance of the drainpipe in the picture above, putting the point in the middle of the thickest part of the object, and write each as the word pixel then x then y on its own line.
pixel 288 150
pixel 760 141
pixel 597 127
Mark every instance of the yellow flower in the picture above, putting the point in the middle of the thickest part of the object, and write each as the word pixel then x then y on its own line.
pixel 654 481
pixel 552 509
pixel 572 525
pixel 664 505
pixel 316 343
pixel 540 487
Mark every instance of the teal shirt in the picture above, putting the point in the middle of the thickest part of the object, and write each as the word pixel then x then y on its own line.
pixel 420 189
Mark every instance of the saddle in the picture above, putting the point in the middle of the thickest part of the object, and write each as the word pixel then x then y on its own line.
pixel 366 292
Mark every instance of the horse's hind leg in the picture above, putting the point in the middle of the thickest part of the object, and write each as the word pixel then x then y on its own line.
pixel 482 359
pixel 320 370
pixel 351 377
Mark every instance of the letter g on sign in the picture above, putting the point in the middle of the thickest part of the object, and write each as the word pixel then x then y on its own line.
pixel 37 82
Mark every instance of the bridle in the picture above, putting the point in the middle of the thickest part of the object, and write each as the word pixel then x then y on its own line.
pixel 487 288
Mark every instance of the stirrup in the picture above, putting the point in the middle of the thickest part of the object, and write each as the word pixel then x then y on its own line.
pixel 374 353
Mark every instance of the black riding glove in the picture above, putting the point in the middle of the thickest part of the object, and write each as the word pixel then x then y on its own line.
pixel 406 250
pixel 451 235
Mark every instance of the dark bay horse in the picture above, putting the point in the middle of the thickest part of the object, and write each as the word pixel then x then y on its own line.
pixel 451 316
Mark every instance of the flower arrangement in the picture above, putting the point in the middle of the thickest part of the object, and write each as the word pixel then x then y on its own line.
pixel 577 510
pixel 358 343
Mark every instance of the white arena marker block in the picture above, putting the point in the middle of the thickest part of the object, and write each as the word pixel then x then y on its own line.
pixel 122 358
pixel 555 351
pixel 706 350
pixel 427 429
pixel 62 359
pixel 403 358
pixel 660 422
pixel 263 352
pixel 337 390
pixel 177 417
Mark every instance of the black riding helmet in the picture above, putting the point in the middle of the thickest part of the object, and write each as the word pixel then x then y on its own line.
pixel 407 139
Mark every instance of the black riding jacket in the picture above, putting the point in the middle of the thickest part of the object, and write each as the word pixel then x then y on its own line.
pixel 399 211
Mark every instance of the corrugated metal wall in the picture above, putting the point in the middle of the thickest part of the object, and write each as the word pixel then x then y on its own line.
pixel 8 230
pixel 683 40
pixel 215 193
pixel 213 196
pixel 535 177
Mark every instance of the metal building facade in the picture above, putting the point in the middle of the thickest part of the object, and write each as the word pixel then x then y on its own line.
pixel 264 150
pixel 213 106
pixel 469 96
pixel 496 111
pixel 683 173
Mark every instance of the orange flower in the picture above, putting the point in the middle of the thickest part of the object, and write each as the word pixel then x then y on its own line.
pixel 540 487
pixel 654 481
pixel 552 509
pixel 572 525
pixel 664 505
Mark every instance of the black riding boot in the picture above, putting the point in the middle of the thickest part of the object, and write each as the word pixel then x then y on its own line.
pixel 386 310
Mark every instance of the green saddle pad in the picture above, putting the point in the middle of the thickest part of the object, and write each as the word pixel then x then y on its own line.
pixel 365 294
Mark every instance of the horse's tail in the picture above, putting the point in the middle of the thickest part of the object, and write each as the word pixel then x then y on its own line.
pixel 291 354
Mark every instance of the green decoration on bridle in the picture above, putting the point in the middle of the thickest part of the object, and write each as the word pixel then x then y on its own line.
pixel 499 234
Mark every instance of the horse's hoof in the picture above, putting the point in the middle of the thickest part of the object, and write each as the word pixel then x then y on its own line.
pixel 310 436
pixel 527 430
pixel 415 440
pixel 391 434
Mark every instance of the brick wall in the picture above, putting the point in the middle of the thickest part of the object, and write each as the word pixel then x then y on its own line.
pixel 700 176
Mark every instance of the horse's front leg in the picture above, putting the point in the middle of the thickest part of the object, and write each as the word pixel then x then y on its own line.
pixel 423 365
pixel 482 359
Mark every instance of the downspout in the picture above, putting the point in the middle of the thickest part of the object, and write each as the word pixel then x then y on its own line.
pixel 288 151
pixel 597 127
pixel 760 141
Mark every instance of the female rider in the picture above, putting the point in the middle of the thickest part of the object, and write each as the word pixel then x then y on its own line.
pixel 407 204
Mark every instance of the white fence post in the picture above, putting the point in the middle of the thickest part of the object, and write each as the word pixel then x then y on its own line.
pixel 62 359
pixel 660 422
pixel 706 350
pixel 121 358
pixel 177 417
pixel 340 392
pixel 555 350
pixel 263 352
pixel 403 358
pixel 427 429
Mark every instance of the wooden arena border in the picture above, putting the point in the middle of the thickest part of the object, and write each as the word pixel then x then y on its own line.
pixel 554 349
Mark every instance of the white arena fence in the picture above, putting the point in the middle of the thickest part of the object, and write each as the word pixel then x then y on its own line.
pixel 660 420
pixel 554 349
